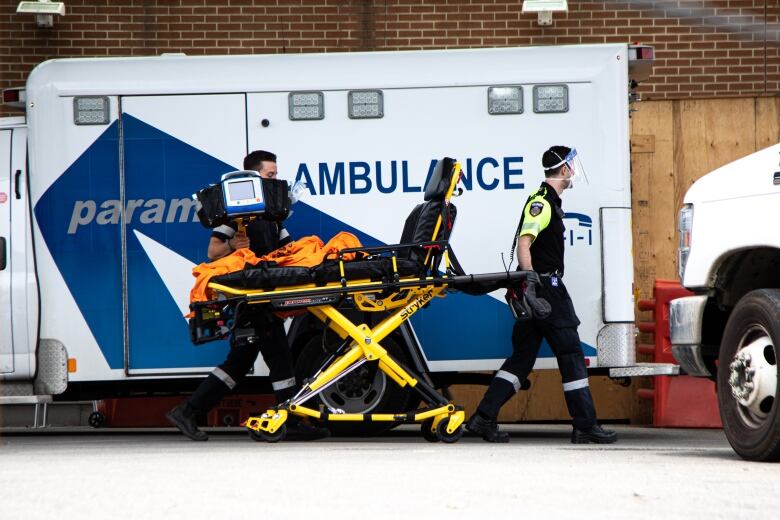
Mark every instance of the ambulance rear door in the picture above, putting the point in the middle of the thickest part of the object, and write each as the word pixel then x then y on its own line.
pixel 172 145
pixel 18 285
pixel 6 321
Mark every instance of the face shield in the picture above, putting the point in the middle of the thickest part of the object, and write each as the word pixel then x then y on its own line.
pixel 574 172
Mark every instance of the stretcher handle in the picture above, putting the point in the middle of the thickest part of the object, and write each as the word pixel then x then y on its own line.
pixel 511 278
pixel 391 247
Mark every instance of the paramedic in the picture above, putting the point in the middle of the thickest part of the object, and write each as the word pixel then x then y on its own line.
pixel 258 330
pixel 540 244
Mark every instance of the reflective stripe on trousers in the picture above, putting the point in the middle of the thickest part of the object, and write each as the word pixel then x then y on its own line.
pixel 508 376
pixel 284 383
pixel 224 377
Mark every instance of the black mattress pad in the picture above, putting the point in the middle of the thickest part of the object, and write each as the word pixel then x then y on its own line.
pixel 269 276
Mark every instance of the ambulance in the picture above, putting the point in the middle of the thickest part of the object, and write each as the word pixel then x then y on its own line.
pixel 99 233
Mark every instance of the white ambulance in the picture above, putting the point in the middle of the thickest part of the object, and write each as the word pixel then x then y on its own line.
pixel 99 234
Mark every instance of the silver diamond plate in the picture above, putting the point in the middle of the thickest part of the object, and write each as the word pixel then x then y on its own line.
pixel 616 345
pixel 646 369
pixel 52 375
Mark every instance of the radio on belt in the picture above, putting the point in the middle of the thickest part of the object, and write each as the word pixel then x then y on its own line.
pixel 243 192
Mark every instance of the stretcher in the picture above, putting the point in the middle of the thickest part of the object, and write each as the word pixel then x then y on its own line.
pixel 398 280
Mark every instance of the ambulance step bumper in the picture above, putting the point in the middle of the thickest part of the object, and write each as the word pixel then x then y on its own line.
pixel 40 406
pixel 25 399
pixel 646 369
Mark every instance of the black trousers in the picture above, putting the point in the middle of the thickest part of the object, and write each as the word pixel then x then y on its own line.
pixel 560 331
pixel 257 332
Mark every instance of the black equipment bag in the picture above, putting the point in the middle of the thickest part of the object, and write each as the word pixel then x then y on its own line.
pixel 211 206
pixel 211 203
pixel 277 200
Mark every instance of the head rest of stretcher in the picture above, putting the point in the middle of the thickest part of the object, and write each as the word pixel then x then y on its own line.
pixel 420 226
pixel 440 180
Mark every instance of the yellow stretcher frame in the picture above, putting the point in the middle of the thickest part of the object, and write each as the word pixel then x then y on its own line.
pixel 442 419
pixel 403 297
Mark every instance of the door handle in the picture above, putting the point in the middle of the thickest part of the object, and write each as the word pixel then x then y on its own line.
pixel 17 176
pixel 2 253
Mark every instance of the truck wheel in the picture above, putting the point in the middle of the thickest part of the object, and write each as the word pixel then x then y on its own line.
pixel 747 376
pixel 365 390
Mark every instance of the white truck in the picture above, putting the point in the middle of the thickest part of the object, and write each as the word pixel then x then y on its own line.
pixel 729 256
pixel 98 232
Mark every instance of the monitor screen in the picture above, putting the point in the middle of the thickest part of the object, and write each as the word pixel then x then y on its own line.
pixel 241 190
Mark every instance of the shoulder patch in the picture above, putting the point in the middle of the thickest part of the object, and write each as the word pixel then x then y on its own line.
pixel 536 209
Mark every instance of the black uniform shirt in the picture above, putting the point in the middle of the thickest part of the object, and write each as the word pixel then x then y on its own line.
pixel 543 219
pixel 264 236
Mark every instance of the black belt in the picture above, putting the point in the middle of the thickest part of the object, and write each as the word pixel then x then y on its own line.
pixel 558 273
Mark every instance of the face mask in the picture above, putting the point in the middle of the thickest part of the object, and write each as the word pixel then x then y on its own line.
pixel 575 169
pixel 568 182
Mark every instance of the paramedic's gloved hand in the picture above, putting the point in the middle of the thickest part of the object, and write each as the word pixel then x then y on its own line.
pixel 240 240
pixel 539 306
pixel 532 278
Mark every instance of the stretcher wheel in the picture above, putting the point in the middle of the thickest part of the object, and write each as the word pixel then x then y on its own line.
pixel 444 436
pixel 428 435
pixel 262 436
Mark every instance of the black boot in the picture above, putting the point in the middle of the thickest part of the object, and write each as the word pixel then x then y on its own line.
pixel 183 417
pixel 486 428
pixel 210 392
pixel 595 434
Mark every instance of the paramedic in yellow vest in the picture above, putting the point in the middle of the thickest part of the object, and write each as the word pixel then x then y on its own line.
pixel 540 246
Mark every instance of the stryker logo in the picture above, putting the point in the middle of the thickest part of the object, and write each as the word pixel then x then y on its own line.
pixel 359 177
pixel 416 304
pixel 152 211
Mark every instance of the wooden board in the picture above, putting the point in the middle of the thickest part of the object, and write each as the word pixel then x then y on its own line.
pixel 652 182
pixel 767 122
pixel 709 133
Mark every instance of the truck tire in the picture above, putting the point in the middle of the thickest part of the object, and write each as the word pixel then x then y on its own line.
pixel 366 390
pixel 747 376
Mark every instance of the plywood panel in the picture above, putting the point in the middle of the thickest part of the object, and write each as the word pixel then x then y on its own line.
pixel 710 133
pixel 652 178
pixel 767 122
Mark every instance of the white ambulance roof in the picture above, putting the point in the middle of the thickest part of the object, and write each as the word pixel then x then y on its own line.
pixel 335 71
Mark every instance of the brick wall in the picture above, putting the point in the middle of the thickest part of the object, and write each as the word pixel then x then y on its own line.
pixel 705 48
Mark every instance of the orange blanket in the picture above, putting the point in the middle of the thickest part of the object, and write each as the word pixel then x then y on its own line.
pixel 306 252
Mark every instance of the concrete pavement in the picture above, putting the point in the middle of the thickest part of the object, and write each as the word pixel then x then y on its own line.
pixel 649 473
